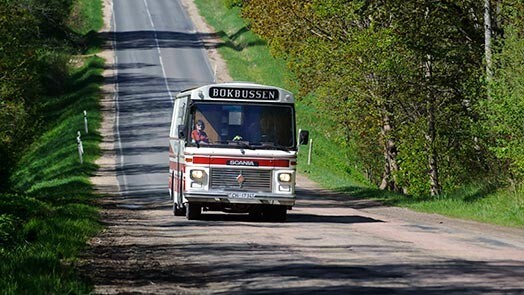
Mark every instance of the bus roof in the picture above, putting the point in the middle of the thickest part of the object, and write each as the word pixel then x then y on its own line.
pixel 240 91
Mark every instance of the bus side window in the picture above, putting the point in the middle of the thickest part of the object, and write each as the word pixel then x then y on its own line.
pixel 174 122
pixel 178 120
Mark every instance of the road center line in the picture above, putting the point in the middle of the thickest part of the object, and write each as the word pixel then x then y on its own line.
pixel 158 50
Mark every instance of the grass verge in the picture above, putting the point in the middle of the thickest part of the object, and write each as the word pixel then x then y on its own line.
pixel 45 224
pixel 50 215
pixel 248 59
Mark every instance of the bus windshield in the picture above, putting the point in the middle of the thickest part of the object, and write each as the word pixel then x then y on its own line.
pixel 267 126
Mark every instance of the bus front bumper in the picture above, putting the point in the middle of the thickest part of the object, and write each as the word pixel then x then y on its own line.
pixel 240 198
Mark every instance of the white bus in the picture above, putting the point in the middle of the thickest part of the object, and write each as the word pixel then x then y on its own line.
pixel 233 148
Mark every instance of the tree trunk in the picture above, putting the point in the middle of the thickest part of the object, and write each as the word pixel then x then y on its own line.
pixel 389 180
pixel 487 41
pixel 434 184
pixel 431 135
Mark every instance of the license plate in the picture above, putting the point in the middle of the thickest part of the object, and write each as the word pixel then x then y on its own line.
pixel 242 195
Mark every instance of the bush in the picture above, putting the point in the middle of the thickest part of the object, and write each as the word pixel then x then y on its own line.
pixel 8 229
pixel 234 3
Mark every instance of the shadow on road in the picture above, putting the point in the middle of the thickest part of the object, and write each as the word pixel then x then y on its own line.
pixel 323 198
pixel 292 218
pixel 146 39
pixel 269 269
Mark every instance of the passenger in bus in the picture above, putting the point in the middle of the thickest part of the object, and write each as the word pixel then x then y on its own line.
pixel 199 135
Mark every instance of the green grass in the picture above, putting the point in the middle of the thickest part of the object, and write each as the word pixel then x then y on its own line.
pixel 249 59
pixel 246 54
pixel 502 207
pixel 51 238
pixel 86 16
pixel 47 219
pixel 45 224
pixel 85 20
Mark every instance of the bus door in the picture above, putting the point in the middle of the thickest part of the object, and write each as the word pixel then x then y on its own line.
pixel 177 143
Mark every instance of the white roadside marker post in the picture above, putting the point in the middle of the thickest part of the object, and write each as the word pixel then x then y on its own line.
pixel 80 147
pixel 309 152
pixel 85 122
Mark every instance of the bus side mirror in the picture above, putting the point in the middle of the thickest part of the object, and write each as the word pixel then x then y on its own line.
pixel 181 129
pixel 303 137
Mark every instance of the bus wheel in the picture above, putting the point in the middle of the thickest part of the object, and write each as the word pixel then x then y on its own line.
pixel 193 211
pixel 276 213
pixel 171 189
pixel 178 210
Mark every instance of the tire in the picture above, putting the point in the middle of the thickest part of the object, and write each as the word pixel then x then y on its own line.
pixel 193 211
pixel 178 210
pixel 275 213
pixel 171 189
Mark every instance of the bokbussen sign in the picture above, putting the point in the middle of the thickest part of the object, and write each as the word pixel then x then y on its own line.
pixel 243 93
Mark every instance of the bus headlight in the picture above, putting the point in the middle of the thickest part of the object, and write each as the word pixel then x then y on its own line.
pixel 284 177
pixel 197 175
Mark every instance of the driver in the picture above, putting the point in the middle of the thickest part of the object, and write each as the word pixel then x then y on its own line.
pixel 198 135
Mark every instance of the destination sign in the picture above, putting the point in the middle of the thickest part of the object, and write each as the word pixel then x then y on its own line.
pixel 243 93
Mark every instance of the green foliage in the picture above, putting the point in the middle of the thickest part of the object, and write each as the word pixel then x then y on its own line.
pixel 8 228
pixel 18 54
pixel 234 3
pixel 35 51
pixel 505 109
pixel 255 63
pixel 366 63
pixel 51 217
pixel 18 68
pixel 85 17
pixel 42 96
pixel 329 164
pixel 341 107
pixel 13 131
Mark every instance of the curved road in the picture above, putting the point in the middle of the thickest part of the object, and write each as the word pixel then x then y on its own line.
pixel 331 244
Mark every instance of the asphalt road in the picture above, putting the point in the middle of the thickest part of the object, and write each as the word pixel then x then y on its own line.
pixel 331 243
pixel 158 54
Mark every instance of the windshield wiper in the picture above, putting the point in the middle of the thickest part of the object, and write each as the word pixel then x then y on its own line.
pixel 276 147
pixel 245 144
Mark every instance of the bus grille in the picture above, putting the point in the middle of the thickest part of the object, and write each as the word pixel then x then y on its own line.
pixel 255 180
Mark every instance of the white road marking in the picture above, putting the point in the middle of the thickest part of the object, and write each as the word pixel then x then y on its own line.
pixel 158 49
pixel 117 106
pixel 124 185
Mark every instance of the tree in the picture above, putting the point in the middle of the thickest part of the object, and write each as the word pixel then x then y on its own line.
pixel 505 109
pixel 403 78
pixel 444 37
pixel 31 31
pixel 17 70
pixel 332 46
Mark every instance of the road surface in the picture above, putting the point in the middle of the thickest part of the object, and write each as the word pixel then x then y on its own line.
pixel 158 53
pixel 331 243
